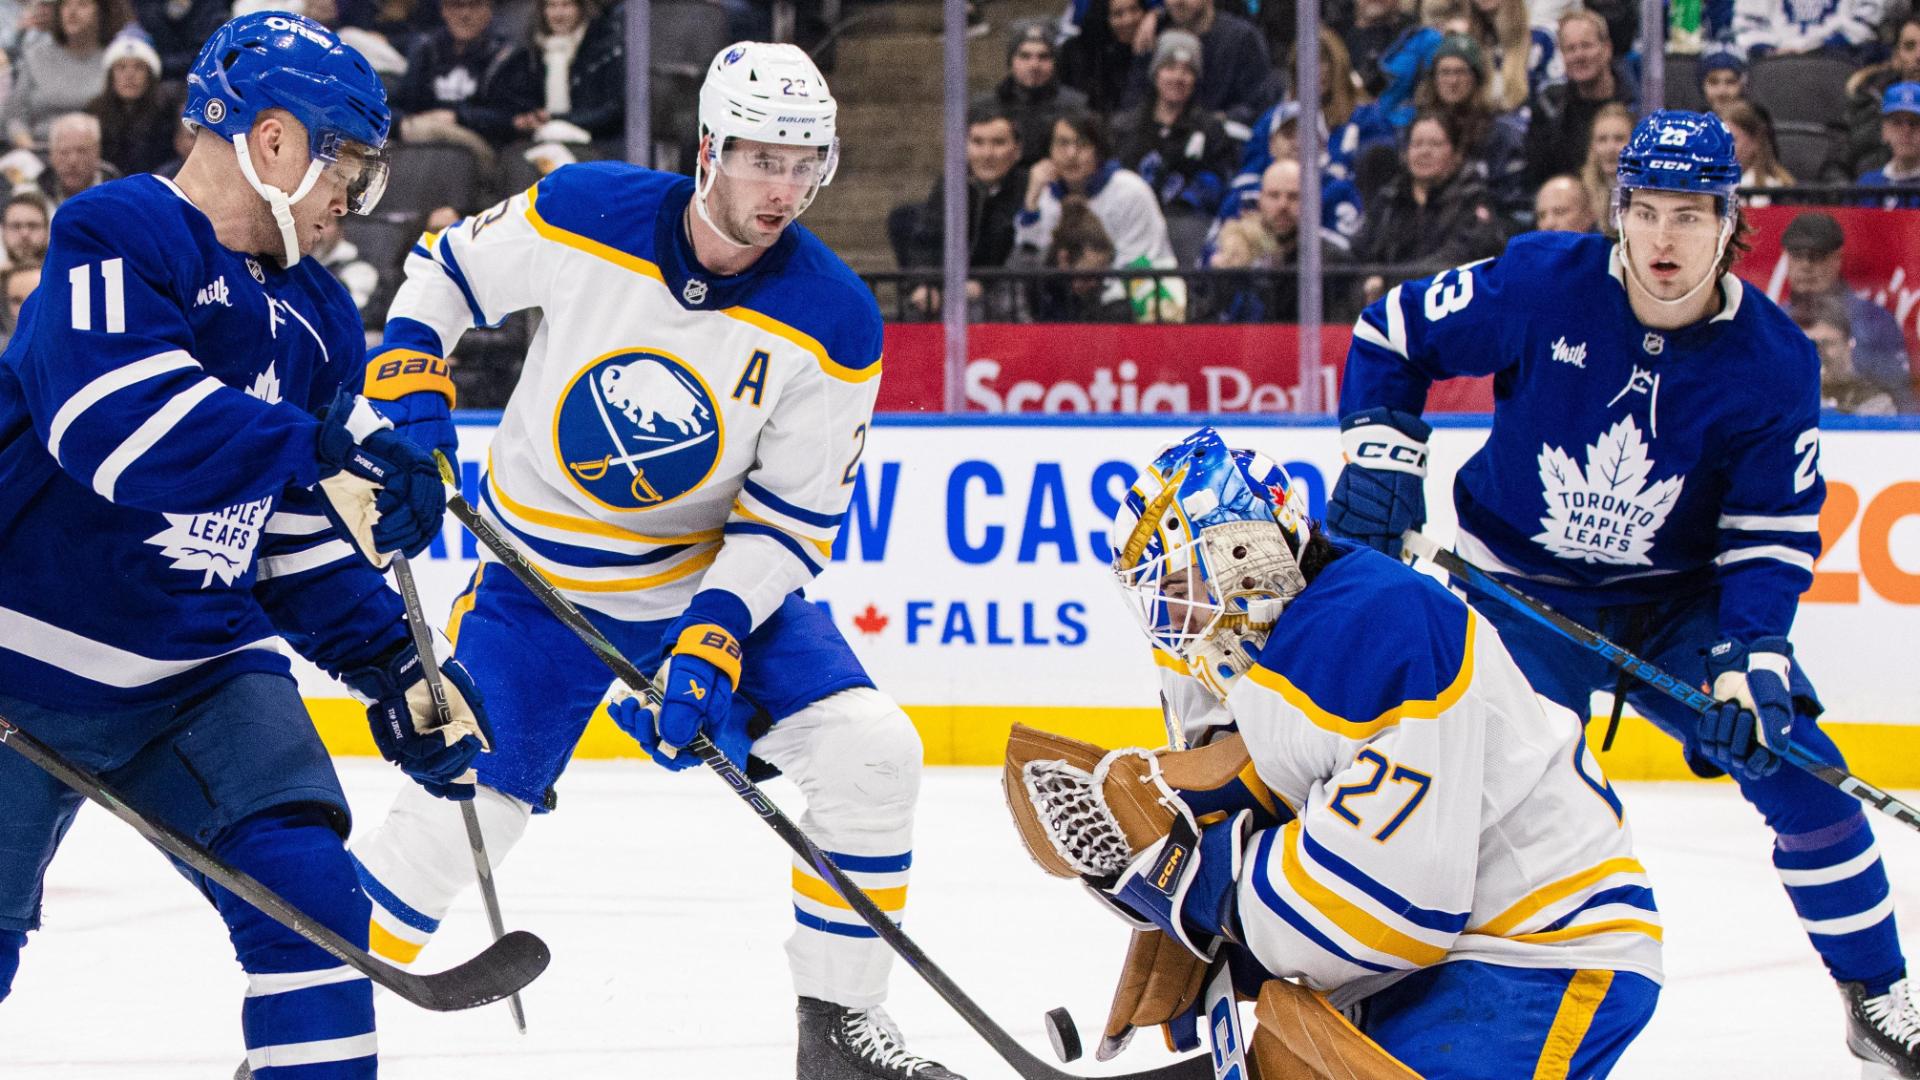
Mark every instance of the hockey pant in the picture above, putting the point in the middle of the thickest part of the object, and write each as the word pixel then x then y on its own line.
pixel 243 772
pixel 854 755
pixel 1823 846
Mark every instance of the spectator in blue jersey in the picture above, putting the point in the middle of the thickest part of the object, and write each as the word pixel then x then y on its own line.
pixel 1346 128
pixel 1375 25
pixel 1815 246
pixel 1646 358
pixel 1900 132
pixel 1842 388
pixel 1563 111
pixel 1723 80
pixel 158 410
pixel 1238 81
pixel 1863 148
pixel 460 86
pixel 1267 237
pixel 1032 93
pixel 1493 140
pixel 1784 27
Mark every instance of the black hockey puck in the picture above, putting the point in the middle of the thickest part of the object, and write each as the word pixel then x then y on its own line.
pixel 1064 1036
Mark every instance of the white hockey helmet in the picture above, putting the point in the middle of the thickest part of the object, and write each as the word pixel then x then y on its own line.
pixel 769 92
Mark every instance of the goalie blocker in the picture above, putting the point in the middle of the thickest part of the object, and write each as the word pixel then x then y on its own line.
pixel 1391 828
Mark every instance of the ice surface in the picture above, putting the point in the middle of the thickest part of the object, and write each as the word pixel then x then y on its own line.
pixel 666 902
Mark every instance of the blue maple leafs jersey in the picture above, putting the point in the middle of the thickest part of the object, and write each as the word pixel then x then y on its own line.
pixel 156 451
pixel 1624 464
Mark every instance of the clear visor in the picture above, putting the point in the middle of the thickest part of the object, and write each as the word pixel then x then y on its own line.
pixel 359 169
pixel 801 167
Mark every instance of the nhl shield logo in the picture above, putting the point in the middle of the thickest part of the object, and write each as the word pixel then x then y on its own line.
pixel 1654 344
pixel 637 429
pixel 694 292
pixel 253 267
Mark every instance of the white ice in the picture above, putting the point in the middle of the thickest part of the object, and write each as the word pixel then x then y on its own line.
pixel 665 901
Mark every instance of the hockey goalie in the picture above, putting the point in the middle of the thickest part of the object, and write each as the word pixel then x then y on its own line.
pixel 1400 853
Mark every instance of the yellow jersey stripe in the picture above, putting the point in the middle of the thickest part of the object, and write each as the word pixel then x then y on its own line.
pixel 819 352
pixel 1580 930
pixel 584 526
pixel 824 547
pixel 894 899
pixel 1585 991
pixel 462 605
pixel 1530 905
pixel 689 566
pixel 592 247
pixel 1421 709
pixel 1358 924
pixel 382 943
pixel 1165 659
pixel 1250 778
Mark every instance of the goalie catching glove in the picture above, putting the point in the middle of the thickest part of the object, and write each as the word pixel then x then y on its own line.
pixel 407 728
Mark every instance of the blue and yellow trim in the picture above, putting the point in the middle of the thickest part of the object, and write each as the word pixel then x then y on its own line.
pixel 1584 993
pixel 1415 709
pixel 1356 922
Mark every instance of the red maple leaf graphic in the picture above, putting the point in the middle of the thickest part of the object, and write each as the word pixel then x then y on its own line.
pixel 870 621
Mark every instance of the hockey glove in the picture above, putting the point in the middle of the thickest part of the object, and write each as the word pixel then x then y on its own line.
pixel 1754 716
pixel 640 720
pixel 1184 882
pixel 1381 492
pixel 703 667
pixel 407 729
pixel 382 491
pixel 414 390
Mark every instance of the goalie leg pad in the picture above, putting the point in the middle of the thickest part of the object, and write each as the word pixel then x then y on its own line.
pixel 1298 1036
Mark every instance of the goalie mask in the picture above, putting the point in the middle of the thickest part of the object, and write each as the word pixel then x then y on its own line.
pixel 1207 547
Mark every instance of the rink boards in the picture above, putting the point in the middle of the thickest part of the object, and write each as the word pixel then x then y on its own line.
pixel 971 579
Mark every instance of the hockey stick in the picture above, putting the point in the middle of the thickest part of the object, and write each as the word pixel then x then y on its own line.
pixel 1197 1067
pixel 499 970
pixel 437 687
pixel 1417 544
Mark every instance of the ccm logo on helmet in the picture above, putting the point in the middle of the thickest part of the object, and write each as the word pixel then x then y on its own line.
pixel 1395 452
pixel 1661 163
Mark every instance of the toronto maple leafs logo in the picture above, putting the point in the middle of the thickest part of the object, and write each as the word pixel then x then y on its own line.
pixel 1607 512
pixel 220 544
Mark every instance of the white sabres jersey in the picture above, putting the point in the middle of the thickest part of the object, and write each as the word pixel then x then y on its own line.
pixel 1444 810
pixel 672 429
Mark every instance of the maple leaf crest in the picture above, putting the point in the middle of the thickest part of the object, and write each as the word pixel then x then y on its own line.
pixel 220 544
pixel 1606 512
pixel 266 386
pixel 870 621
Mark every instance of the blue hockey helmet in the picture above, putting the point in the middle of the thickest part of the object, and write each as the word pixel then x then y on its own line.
pixel 1685 152
pixel 276 59
pixel 1206 550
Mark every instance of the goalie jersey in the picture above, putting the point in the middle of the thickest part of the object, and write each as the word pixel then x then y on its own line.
pixel 156 459
pixel 672 429
pixel 1625 464
pixel 1444 811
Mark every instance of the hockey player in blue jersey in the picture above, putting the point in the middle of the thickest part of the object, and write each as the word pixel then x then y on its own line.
pixel 170 509
pixel 676 458
pixel 1652 472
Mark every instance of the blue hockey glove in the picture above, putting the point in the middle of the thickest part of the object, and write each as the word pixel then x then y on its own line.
pixel 1183 883
pixel 382 492
pixel 414 390
pixel 634 716
pixel 407 729
pixel 1754 717
pixel 1381 492
pixel 703 667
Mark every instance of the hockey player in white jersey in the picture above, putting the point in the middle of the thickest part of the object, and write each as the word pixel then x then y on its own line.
pixel 1419 838
pixel 677 458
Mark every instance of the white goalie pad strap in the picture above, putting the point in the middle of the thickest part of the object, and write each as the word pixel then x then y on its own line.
pixel 1384 447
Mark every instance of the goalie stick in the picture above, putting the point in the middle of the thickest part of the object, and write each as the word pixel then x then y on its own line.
pixel 499 970
pixel 437 687
pixel 1027 1065
pixel 1414 543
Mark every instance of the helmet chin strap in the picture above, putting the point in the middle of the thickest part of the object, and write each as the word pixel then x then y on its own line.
pixel 1712 274
pixel 279 201
pixel 703 186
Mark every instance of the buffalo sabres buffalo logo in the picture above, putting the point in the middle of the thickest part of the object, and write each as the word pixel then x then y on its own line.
pixel 637 429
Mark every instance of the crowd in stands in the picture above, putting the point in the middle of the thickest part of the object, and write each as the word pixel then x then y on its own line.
pixel 1162 135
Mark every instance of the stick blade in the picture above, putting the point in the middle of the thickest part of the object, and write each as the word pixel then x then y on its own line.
pixel 499 971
